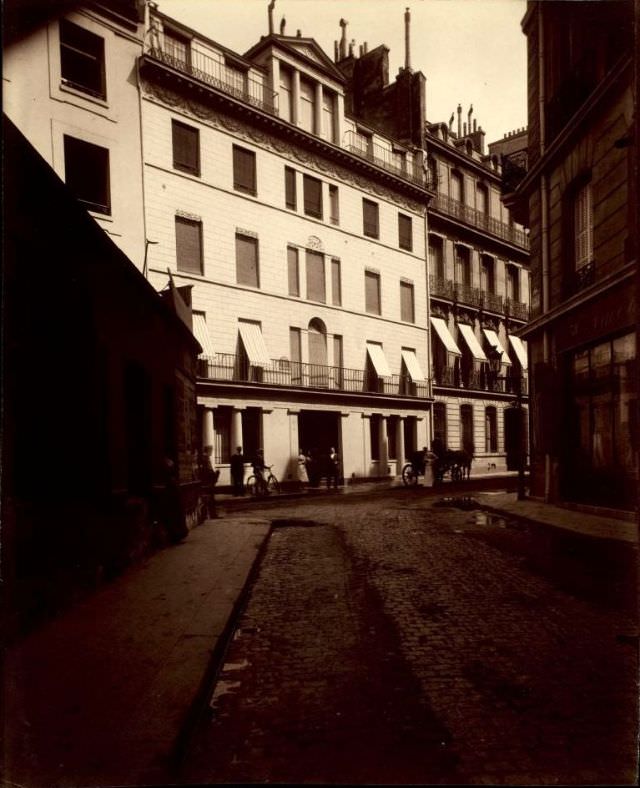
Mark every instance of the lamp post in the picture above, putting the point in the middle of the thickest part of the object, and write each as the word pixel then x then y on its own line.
pixel 495 361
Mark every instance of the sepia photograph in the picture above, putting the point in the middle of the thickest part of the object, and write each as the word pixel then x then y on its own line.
pixel 319 403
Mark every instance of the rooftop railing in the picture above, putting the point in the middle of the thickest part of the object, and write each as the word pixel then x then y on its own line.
pixel 445 204
pixel 384 158
pixel 234 367
pixel 212 72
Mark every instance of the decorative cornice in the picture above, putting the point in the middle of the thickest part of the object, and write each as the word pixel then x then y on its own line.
pixel 223 122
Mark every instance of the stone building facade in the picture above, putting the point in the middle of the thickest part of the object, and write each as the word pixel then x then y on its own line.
pixel 579 199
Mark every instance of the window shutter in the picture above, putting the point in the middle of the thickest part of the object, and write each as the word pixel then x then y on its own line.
pixel 372 292
pixel 405 233
pixel 290 188
pixel 244 170
pixel 188 245
pixel 312 197
pixel 370 218
pixel 407 312
pixel 247 261
pixel 336 284
pixel 185 148
pixel 293 271
pixel 316 288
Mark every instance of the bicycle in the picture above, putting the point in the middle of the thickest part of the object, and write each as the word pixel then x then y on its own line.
pixel 269 485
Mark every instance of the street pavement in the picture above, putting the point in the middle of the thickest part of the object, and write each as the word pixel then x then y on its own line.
pixel 366 637
pixel 390 639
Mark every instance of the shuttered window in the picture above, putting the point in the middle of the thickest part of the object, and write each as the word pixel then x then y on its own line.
pixel 186 147
pixel 407 305
pixel 583 226
pixel 456 187
pixel 244 170
pixel 247 272
pixel 312 196
pixel 334 205
pixel 293 271
pixel 188 245
pixel 370 218
pixel 290 188
pixel 336 283
pixel 372 292
pixel 316 287
pixel 405 232
pixel 307 106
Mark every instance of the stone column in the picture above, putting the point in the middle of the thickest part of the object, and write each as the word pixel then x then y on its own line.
pixel 274 74
pixel 295 97
pixel 338 119
pixel 383 447
pixel 236 429
pixel 400 458
pixel 208 431
pixel 318 110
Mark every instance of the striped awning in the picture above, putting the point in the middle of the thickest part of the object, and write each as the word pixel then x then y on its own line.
pixel 201 333
pixel 492 339
pixel 472 342
pixel 379 360
pixel 445 335
pixel 520 349
pixel 413 366
pixel 253 341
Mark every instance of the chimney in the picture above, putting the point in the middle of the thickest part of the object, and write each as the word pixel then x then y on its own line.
pixel 464 129
pixel 475 125
pixel 361 50
pixel 365 46
pixel 469 114
pixel 352 43
pixel 270 9
pixel 299 33
pixel 459 120
pixel 407 40
pixel 343 39
pixel 283 23
pixel 336 56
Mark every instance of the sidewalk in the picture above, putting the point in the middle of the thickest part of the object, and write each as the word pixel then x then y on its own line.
pixel 559 517
pixel 99 695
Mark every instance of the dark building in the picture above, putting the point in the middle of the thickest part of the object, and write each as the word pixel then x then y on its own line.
pixel 98 389
pixel 579 199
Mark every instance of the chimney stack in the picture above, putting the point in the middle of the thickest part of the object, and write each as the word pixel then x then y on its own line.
pixel 459 120
pixel 283 23
pixel 343 39
pixel 270 8
pixel 407 40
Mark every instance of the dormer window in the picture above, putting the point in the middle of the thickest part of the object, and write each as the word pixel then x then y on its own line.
pixel 235 77
pixel 307 106
pixel 284 100
pixel 364 143
pixel 328 115
pixel 177 47
pixel 399 159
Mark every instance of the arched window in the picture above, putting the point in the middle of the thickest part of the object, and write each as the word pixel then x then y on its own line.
pixel 490 430
pixel 318 365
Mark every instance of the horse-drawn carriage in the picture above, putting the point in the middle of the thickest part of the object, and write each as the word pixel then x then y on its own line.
pixel 454 462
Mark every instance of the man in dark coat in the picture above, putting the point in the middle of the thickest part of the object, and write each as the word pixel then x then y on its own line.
pixel 237 471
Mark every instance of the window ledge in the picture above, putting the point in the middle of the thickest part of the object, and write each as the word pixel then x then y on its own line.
pixel 64 88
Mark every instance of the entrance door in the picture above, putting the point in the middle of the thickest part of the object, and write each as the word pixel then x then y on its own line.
pixel 319 431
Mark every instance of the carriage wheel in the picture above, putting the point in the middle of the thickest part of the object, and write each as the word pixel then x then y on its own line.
pixel 456 473
pixel 408 475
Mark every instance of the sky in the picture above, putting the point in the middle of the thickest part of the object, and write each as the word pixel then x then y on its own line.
pixel 470 51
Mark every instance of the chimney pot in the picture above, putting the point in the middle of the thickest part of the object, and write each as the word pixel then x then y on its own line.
pixel 299 33
pixel 407 39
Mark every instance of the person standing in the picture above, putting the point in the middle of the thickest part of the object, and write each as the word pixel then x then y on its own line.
pixel 333 468
pixel 209 479
pixel 303 476
pixel 237 471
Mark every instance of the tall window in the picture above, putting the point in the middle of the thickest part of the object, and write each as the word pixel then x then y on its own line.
pixel 188 245
pixel 405 232
pixel 399 160
pixel 247 264
pixel 370 224
pixel 293 271
pixel 491 430
pixel 440 422
pixel 482 198
pixel 334 206
pixel 82 59
pixel 466 425
pixel 177 47
pixel 284 98
pixel 186 147
pixel 583 226
pixel 372 292
pixel 487 274
pixel 463 266
pixel 312 196
pixel 432 171
pixel 316 287
pixel 364 143
pixel 244 170
pixel 328 115
pixel 222 434
pixel 295 351
pixel 436 255
pixel 86 173
pixel 336 282
pixel 457 192
pixel 513 283
pixel 307 105
pixel 407 305
pixel 290 188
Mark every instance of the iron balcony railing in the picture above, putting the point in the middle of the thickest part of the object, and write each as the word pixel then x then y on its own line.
pixel 492 302
pixel 478 380
pixel 282 372
pixel 465 294
pixel 444 204
pixel 212 72
pixel 441 288
pixel 384 158
pixel 516 309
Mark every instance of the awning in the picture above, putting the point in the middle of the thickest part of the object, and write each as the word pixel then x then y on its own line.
pixel 254 345
pixel 443 332
pixel 378 359
pixel 202 335
pixel 413 366
pixel 520 349
pixel 472 342
pixel 493 340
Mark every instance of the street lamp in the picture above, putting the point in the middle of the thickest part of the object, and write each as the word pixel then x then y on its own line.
pixel 495 362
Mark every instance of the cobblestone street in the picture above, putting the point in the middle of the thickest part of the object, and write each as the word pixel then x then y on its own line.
pixel 392 639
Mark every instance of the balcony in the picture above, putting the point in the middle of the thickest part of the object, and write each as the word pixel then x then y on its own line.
pixel 465 294
pixel 215 74
pixel 492 302
pixel 384 159
pixel 478 380
pixel 447 205
pixel 441 288
pixel 516 310
pixel 292 374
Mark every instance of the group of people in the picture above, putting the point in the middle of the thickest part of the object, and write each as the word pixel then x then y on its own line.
pixel 314 465
pixel 237 463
